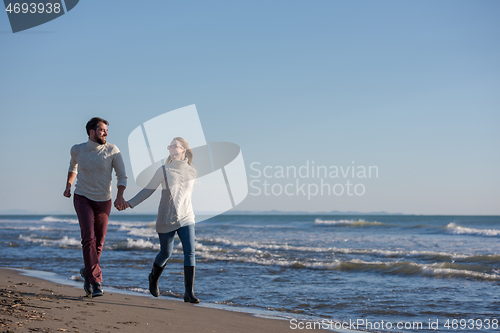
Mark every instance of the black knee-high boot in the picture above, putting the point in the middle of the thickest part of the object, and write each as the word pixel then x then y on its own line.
pixel 154 276
pixel 189 283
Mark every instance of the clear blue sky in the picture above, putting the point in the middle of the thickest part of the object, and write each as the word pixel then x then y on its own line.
pixel 409 87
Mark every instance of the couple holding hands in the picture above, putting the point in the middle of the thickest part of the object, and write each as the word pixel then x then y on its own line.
pixel 93 162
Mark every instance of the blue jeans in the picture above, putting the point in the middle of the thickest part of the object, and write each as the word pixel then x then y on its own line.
pixel 186 234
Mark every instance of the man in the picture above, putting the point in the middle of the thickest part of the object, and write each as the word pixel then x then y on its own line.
pixel 94 162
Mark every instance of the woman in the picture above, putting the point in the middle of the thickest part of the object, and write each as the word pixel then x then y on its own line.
pixel 175 213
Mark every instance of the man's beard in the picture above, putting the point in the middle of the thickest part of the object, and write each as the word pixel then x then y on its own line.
pixel 99 140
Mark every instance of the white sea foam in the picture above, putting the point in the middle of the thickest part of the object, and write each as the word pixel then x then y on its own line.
pixel 460 273
pixel 353 223
pixel 250 250
pixel 269 246
pixel 413 268
pixel 76 278
pixel 37 228
pixel 458 230
pixel 59 219
pixel 150 224
pixel 141 232
pixel 199 247
pixel 65 241
pixel 27 228
pixel 42 228
pixel 139 244
pixel 250 259
pixel 407 267
pixel 415 253
pixel 139 290
pixel 385 253
pixel 254 256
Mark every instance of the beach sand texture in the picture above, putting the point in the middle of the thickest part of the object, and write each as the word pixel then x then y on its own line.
pixel 33 305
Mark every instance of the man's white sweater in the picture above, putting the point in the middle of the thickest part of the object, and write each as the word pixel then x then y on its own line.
pixel 93 163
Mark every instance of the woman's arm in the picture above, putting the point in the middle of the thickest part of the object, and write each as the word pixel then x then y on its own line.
pixel 146 192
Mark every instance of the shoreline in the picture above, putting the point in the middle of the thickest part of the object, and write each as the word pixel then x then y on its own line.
pixel 29 303
pixel 78 283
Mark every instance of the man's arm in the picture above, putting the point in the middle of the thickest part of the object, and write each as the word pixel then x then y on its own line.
pixel 121 176
pixel 73 169
pixel 120 203
pixel 69 182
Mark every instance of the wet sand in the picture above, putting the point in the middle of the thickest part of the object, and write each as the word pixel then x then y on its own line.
pixel 29 304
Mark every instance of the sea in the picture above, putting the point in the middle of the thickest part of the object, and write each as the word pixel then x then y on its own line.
pixel 380 273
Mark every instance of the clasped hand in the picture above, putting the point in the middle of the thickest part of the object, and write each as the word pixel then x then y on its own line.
pixel 121 204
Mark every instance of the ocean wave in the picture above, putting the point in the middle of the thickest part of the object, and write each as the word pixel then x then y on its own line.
pixel 458 267
pixel 351 223
pixel 59 219
pixel 135 244
pixel 137 290
pixel 458 230
pixel 408 268
pixel 450 272
pixel 414 268
pixel 487 258
pixel 141 232
pixel 253 246
pixel 150 224
pixel 251 259
pixel 250 250
pixel 200 247
pixel 268 246
pixel 145 244
pixel 41 228
pixel 65 241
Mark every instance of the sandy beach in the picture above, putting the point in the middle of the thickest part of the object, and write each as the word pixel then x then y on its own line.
pixel 34 305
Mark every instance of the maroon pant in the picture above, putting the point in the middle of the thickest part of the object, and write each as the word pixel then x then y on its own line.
pixel 93 217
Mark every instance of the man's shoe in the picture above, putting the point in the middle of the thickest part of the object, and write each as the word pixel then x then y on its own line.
pixel 97 289
pixel 86 284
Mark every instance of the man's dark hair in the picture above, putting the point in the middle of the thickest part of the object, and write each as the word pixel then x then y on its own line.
pixel 92 124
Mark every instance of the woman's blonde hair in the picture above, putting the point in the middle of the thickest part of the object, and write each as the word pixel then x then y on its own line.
pixel 185 145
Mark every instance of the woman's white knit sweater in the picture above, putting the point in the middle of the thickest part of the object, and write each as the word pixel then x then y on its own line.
pixel 175 209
